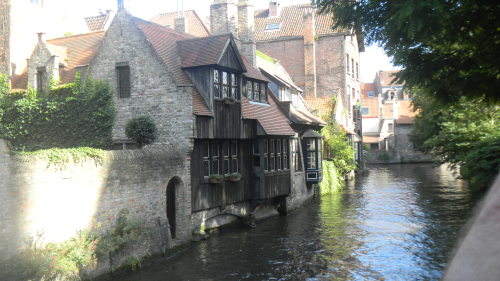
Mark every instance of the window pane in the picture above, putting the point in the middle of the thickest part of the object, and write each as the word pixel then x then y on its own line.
pixel 226 166
pixel 234 93
pixel 249 90
pixel 234 79
pixel 234 165
pixel 311 144
pixel 215 165
pixel 205 149
pixel 217 90
pixel 216 76
pixel 234 148
pixel 256 147
pixel 124 81
pixel 225 91
pixel 226 149
pixel 206 168
pixel 225 78
pixel 263 93
pixel 215 149
pixel 256 90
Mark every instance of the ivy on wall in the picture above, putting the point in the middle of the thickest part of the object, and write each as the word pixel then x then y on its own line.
pixel 72 115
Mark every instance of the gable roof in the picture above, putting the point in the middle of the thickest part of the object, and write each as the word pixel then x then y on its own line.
pixel 100 22
pixel 305 117
pixel 269 116
pixel 206 50
pixel 195 24
pixel 292 23
pixel 275 70
pixel 321 107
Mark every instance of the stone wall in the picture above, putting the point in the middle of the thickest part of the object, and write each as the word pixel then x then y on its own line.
pixel 5 36
pixel 153 90
pixel 300 193
pixel 57 201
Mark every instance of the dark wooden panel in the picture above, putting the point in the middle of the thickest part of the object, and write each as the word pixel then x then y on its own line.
pixel 227 120
pixel 202 79
pixel 248 129
pixel 234 191
pixel 230 60
pixel 203 127
pixel 276 184
pixel 207 196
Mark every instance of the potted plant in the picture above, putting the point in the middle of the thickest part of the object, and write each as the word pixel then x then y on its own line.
pixel 215 178
pixel 229 100
pixel 234 176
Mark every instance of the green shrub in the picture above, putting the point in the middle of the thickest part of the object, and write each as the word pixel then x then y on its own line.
pixel 142 130
pixel 60 156
pixel 332 180
pixel 71 115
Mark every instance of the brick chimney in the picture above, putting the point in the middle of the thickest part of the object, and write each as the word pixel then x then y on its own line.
pixel 274 9
pixel 309 54
pixel 246 30
pixel 224 17
pixel 181 24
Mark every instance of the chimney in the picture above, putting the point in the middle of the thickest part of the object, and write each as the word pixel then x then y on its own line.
pixel 246 30
pixel 309 54
pixel 224 17
pixel 40 36
pixel 181 24
pixel 121 5
pixel 274 9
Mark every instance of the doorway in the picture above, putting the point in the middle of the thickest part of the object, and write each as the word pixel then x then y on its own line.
pixel 171 206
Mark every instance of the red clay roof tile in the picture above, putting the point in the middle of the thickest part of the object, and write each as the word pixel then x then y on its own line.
pixel 97 23
pixel 195 25
pixel 321 107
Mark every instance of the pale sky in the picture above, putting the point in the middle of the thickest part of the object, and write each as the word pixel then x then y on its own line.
pixel 372 60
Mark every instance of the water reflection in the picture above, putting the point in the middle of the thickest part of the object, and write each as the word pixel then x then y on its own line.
pixel 397 223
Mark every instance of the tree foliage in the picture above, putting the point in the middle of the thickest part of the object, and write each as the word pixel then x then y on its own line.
pixel 450 48
pixel 338 147
pixel 465 134
pixel 72 115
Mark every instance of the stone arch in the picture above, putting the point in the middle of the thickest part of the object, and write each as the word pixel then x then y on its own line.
pixel 172 193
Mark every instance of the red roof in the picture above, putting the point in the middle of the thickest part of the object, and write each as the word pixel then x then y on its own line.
pixel 322 107
pixel 406 113
pixel 292 22
pixel 272 120
pixel 386 77
pixel 202 51
pixel 97 23
pixel 199 105
pixel 195 25
pixel 372 103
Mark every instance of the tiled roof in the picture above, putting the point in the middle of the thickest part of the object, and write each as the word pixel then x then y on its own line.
pixel 97 23
pixel 199 105
pixel 406 115
pixel 195 25
pixel 276 70
pixel 292 23
pixel 372 103
pixel 80 50
pixel 272 120
pixel 321 107
pixel 164 42
pixel 202 51
pixel 20 82
pixel 252 72
pixel 370 139
pixel 386 77
pixel 304 117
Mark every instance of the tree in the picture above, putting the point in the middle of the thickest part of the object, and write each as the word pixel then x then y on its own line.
pixel 448 47
pixel 142 130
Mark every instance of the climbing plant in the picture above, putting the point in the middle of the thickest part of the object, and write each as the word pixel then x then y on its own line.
pixel 72 115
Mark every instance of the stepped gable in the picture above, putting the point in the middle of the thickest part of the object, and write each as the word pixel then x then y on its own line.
pixel 75 50
pixel 195 24
pixel 292 23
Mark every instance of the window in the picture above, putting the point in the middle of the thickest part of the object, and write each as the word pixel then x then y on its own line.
pixel 286 164
pixel 273 26
pixel 272 159
pixel 256 91
pixel 364 111
pixel 348 63
pixel 311 154
pixel 352 67
pixel 41 79
pixel 234 157
pixel 215 158
pixel 225 84
pixel 205 152
pixel 123 71
pixel 266 155
pixel 278 154
pixel 357 70
pixel 227 158
pixel 214 162
pixel 296 157
pixel 371 94
pixel 390 127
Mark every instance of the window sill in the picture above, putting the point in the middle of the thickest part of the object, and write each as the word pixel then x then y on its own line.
pixel 258 103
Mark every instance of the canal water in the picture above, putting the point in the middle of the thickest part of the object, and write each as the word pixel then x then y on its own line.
pixel 398 222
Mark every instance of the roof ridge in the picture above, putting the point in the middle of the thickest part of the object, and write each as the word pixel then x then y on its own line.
pixel 169 30
pixel 76 35
pixel 169 13
pixel 209 36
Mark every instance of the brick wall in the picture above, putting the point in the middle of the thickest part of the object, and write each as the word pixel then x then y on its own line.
pixel 36 197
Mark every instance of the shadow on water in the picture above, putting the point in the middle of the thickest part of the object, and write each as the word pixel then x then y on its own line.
pixel 399 222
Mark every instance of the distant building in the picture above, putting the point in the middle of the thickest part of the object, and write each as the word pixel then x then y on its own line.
pixel 185 21
pixel 387 116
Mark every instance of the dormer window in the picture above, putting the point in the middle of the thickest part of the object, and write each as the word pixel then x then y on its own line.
pixel 273 26
pixel 225 84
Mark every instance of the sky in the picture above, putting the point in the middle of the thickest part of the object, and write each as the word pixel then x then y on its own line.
pixel 372 60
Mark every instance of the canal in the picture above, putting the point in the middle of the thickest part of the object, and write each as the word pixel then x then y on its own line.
pixel 398 222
